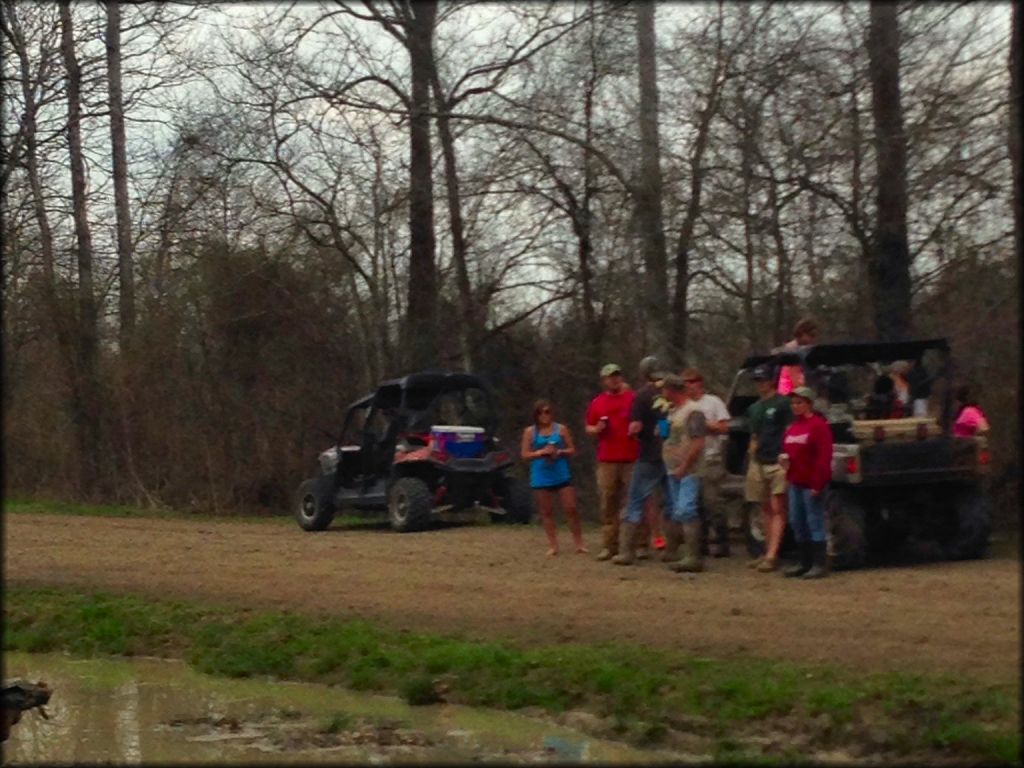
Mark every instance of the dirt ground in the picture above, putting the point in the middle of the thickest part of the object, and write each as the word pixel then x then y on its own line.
pixel 495 581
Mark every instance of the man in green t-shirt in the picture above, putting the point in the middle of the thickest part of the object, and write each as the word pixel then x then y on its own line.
pixel 766 480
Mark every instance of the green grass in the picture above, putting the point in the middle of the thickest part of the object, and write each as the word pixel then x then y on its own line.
pixel 336 723
pixel 640 691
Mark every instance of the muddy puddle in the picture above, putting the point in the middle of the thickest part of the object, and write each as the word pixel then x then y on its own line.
pixel 148 710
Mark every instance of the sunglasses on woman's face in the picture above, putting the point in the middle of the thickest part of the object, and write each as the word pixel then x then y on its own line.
pixel 544 410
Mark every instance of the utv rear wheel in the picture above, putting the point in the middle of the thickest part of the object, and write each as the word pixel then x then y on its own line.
pixel 517 501
pixel 847 539
pixel 409 505
pixel 313 509
pixel 973 511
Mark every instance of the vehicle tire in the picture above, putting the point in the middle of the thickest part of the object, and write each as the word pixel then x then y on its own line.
pixel 314 511
pixel 517 501
pixel 409 504
pixel 847 535
pixel 973 510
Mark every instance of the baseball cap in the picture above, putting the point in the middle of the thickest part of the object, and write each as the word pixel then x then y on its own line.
pixel 762 373
pixel 805 392
pixel 673 381
pixel 611 368
pixel 649 367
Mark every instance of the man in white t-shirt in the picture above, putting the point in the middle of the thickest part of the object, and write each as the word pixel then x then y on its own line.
pixel 716 416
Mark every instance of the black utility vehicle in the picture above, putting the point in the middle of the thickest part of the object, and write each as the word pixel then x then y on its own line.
pixel 897 479
pixel 420 448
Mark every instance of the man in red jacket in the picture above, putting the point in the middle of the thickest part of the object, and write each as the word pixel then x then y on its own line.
pixel 807 459
pixel 608 422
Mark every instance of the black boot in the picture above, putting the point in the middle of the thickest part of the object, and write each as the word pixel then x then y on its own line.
pixel 722 540
pixel 820 568
pixel 806 560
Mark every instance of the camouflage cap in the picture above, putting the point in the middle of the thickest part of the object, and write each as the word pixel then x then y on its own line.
pixel 804 392
pixel 674 381
pixel 610 369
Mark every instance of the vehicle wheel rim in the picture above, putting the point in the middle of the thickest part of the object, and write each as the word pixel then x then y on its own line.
pixel 401 507
pixel 308 506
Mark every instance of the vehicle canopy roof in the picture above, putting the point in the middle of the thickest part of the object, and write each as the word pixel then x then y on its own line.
pixel 852 353
pixel 437 381
pixel 389 394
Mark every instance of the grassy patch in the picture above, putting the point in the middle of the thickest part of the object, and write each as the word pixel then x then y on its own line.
pixel 336 723
pixel 641 692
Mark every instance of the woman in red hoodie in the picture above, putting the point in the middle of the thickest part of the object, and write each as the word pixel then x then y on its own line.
pixel 807 458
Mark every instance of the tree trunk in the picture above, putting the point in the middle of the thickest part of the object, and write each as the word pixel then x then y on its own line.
pixel 680 302
pixel 584 216
pixel 86 384
pixel 57 310
pixel 1016 62
pixel 126 301
pixel 468 325
pixel 421 320
pixel 889 267
pixel 648 191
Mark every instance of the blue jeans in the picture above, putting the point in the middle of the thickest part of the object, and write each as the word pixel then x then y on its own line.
pixel 806 514
pixel 647 476
pixel 684 498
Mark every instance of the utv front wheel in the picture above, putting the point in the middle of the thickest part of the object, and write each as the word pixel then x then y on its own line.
pixel 409 504
pixel 517 501
pixel 313 510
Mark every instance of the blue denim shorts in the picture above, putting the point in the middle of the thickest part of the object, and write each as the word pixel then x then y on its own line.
pixel 684 497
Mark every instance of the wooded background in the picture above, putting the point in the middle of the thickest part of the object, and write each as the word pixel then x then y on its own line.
pixel 223 223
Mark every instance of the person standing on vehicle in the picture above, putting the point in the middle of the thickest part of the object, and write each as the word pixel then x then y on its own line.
pixel 804 332
pixel 807 458
pixel 649 471
pixel 547 445
pixel 902 406
pixel 683 454
pixel 970 421
pixel 766 480
pixel 607 421
pixel 716 416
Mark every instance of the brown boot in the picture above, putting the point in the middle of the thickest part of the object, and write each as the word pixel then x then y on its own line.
pixel 673 538
pixel 627 545
pixel 694 560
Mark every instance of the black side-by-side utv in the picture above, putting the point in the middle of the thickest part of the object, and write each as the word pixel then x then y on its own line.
pixel 392 457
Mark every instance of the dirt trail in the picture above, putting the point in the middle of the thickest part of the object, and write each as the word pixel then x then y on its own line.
pixel 494 581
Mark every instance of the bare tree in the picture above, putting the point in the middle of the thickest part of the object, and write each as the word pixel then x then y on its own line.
pixel 119 159
pixel 86 384
pixel 648 186
pixel 889 267
pixel 1016 63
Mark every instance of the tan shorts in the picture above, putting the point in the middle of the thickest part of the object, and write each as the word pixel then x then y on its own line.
pixel 764 480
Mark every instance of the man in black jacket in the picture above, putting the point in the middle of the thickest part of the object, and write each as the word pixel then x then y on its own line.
pixel 649 472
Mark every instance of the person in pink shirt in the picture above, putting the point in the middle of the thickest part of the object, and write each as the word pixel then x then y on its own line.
pixel 792 376
pixel 970 420
pixel 807 458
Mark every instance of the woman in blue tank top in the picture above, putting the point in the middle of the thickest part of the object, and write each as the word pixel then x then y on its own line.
pixel 548 445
